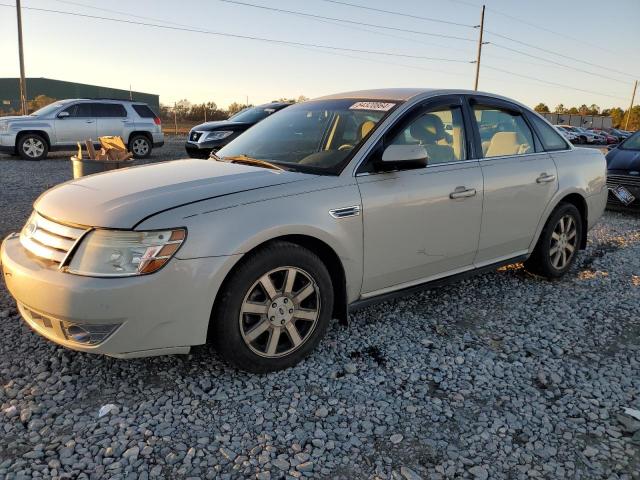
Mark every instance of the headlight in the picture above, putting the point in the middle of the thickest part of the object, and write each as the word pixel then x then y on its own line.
pixel 219 135
pixel 4 126
pixel 114 253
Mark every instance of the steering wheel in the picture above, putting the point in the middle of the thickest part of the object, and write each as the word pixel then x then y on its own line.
pixel 346 146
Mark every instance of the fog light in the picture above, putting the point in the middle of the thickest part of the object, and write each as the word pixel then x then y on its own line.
pixel 87 334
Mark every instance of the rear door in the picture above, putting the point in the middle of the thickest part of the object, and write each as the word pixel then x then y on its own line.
pixel 520 179
pixel 111 119
pixel 423 223
pixel 79 126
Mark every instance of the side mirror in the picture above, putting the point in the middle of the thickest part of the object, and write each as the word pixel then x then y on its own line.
pixel 409 156
pixel 63 114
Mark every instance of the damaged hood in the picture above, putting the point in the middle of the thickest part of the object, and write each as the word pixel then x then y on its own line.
pixel 122 198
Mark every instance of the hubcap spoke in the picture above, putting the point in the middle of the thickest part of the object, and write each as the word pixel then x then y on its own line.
pixel 258 330
pixel 570 248
pixel 555 236
pixel 304 314
pixel 293 334
pixel 273 341
pixel 303 294
pixel 257 308
pixel 268 286
pixel 571 234
pixel 291 278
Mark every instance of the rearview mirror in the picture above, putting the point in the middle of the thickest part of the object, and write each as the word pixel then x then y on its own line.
pixel 63 114
pixel 414 155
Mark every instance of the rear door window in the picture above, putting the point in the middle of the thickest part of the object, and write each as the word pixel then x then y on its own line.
pixel 109 110
pixel 503 132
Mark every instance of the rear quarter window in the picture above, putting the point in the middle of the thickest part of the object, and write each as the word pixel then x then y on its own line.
pixel 144 111
pixel 550 138
pixel 109 110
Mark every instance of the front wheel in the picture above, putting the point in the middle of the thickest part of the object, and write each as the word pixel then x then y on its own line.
pixel 274 309
pixel 32 147
pixel 140 146
pixel 558 244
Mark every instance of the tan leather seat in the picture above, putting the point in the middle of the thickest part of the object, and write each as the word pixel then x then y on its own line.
pixel 428 130
pixel 507 143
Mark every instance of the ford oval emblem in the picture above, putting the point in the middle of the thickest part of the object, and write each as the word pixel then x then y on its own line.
pixel 634 173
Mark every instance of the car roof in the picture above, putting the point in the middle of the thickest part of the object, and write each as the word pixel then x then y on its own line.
pixel 118 100
pixel 405 94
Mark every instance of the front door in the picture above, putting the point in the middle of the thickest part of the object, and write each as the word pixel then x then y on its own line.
pixel 78 126
pixel 424 223
pixel 519 180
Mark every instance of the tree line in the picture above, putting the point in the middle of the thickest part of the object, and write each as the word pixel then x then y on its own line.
pixel 617 114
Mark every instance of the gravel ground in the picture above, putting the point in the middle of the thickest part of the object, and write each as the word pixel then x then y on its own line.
pixel 502 376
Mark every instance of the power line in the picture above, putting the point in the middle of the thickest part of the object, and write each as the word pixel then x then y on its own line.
pixel 244 37
pixel 545 29
pixel 303 14
pixel 556 53
pixel 552 83
pixel 559 64
pixel 401 14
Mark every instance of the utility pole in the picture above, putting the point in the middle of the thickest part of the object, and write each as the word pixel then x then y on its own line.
pixel 23 83
pixel 633 97
pixel 130 93
pixel 479 48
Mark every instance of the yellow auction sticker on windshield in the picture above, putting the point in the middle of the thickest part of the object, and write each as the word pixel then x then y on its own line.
pixel 379 106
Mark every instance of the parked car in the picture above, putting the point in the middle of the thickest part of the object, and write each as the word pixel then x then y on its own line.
pixel 583 135
pixel 60 125
pixel 618 134
pixel 623 174
pixel 327 206
pixel 212 136
pixel 607 138
pixel 572 137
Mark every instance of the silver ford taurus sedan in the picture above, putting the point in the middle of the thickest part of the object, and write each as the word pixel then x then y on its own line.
pixel 324 206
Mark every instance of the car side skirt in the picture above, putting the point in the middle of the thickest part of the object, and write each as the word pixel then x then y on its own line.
pixel 362 303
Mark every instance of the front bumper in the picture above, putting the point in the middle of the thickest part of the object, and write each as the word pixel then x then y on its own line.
pixel 162 313
pixel 631 183
pixel 7 142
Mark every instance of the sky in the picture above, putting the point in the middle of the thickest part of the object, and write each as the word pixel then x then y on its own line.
pixel 204 67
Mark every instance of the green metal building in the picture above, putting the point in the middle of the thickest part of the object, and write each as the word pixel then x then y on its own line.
pixel 60 90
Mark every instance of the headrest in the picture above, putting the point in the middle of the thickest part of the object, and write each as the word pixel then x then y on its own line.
pixel 366 127
pixel 428 128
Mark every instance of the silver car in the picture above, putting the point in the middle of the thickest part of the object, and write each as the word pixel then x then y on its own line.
pixel 60 125
pixel 323 207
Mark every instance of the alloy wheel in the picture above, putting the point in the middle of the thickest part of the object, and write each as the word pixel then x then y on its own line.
pixel 33 147
pixel 140 146
pixel 280 312
pixel 564 242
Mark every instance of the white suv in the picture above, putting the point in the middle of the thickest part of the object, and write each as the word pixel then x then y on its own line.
pixel 60 125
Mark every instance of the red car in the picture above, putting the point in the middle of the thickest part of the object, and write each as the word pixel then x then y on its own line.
pixel 608 137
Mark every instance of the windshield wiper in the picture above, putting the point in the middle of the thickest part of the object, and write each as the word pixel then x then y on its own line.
pixel 249 161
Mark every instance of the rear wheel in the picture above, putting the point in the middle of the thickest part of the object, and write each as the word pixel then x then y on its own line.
pixel 558 244
pixel 32 146
pixel 274 309
pixel 140 146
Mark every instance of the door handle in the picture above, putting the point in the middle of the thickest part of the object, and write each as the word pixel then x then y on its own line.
pixel 89 121
pixel 462 192
pixel 544 178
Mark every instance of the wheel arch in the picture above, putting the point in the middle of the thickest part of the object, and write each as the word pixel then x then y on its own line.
pixel 326 254
pixel 42 133
pixel 142 133
pixel 574 197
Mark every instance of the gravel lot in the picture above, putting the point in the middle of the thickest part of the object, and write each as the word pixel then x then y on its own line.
pixel 502 376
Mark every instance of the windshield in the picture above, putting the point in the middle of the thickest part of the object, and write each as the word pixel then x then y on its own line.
pixel 631 143
pixel 48 109
pixel 252 114
pixel 314 136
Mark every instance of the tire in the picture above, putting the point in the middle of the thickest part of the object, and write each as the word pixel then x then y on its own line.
pixel 32 146
pixel 558 244
pixel 140 146
pixel 582 140
pixel 245 319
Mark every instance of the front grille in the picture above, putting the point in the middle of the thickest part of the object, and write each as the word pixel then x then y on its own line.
pixel 626 180
pixel 195 136
pixel 47 239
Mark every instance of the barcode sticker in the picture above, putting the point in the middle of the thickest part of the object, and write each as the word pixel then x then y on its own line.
pixel 379 106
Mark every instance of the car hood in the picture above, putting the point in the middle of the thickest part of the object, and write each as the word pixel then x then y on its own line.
pixel 218 125
pixel 122 198
pixel 620 159
pixel 13 118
